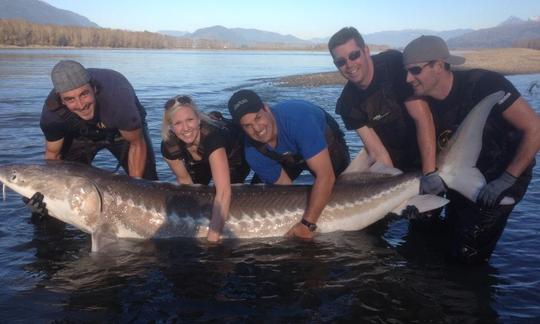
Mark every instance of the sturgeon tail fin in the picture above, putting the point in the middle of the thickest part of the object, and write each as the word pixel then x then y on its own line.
pixel 457 162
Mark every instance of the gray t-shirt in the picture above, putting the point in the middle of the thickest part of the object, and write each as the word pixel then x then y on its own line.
pixel 117 107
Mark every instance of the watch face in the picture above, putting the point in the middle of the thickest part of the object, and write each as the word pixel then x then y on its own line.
pixel 312 227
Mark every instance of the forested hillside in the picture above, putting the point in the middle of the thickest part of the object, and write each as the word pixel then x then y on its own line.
pixel 23 33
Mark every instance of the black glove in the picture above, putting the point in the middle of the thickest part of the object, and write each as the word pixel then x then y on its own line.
pixel 411 212
pixel 36 206
pixel 432 183
pixel 491 194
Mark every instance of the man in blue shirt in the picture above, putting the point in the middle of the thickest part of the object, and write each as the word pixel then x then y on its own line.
pixel 290 137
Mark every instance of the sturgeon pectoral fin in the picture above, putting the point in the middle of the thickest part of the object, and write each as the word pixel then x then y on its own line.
pixel 364 163
pixel 103 236
pixel 379 167
pixel 423 203
pixel 360 163
pixel 85 196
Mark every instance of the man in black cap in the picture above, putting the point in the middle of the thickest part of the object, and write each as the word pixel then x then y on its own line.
pixel 290 137
pixel 510 141
pixel 92 109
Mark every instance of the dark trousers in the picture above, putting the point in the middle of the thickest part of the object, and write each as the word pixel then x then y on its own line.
pixel 84 150
pixel 471 232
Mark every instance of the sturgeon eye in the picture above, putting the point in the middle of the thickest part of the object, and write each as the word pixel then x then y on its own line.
pixel 13 177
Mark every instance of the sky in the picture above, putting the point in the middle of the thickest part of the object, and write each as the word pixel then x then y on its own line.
pixel 305 19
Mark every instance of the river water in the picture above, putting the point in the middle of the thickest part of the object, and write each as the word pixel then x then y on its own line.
pixel 385 273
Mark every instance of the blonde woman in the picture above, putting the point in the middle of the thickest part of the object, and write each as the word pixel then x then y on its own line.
pixel 199 149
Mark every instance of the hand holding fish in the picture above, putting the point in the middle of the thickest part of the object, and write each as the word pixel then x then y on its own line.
pixel 301 231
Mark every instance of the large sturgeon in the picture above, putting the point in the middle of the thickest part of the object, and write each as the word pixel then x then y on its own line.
pixel 107 205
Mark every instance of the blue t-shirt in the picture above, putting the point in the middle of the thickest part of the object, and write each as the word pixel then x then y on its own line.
pixel 301 130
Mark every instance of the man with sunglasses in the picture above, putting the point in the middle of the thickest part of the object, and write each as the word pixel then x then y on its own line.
pixel 510 142
pixel 288 138
pixel 395 127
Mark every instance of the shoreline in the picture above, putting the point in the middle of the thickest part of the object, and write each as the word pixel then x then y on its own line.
pixel 69 48
pixel 506 61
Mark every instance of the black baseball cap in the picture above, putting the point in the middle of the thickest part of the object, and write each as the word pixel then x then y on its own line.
pixel 244 102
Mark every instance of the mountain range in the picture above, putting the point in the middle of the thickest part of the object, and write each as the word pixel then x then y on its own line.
pixel 40 12
pixel 508 33
pixel 511 32
pixel 239 36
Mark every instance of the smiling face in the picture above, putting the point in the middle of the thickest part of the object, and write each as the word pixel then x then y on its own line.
pixel 424 77
pixel 185 124
pixel 354 63
pixel 81 101
pixel 260 126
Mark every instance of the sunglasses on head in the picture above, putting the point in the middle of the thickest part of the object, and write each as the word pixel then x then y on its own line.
pixel 339 62
pixel 181 100
pixel 415 70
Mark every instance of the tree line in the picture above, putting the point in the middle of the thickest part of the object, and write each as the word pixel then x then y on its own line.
pixel 24 33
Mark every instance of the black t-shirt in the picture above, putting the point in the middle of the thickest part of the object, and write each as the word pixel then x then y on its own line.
pixel 209 142
pixel 212 138
pixel 500 138
pixel 388 70
pixel 117 107
pixel 381 107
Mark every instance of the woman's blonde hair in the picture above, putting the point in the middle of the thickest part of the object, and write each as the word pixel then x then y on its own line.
pixel 171 107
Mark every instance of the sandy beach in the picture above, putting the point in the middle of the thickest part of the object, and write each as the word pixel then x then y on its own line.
pixel 506 61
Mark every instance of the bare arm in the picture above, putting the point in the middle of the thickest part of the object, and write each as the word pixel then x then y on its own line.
pixel 222 200
pixel 319 196
pixel 137 152
pixel 523 118
pixel 53 149
pixel 374 146
pixel 180 171
pixel 425 132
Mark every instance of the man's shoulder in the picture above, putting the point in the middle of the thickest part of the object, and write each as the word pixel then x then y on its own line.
pixel 480 81
pixel 295 107
pixel 49 117
pixel 97 73
pixel 388 66
pixel 388 56
pixel 106 79
pixel 476 75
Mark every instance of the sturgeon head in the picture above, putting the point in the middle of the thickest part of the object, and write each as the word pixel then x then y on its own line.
pixel 81 210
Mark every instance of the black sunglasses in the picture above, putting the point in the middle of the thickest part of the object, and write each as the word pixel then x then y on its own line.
pixel 181 100
pixel 415 70
pixel 339 62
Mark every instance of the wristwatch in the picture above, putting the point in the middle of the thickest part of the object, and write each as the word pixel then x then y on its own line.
pixel 311 226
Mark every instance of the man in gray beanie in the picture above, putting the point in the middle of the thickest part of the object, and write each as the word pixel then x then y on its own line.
pixel 511 140
pixel 92 109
